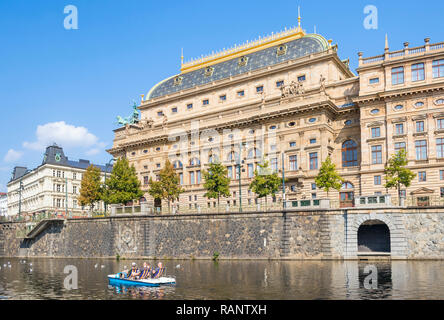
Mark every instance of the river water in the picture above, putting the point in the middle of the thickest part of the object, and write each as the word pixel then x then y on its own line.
pixel 238 280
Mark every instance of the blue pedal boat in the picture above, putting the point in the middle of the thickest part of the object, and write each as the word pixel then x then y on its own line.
pixel 117 280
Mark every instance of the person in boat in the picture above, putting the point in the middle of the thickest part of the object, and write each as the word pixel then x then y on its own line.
pixel 124 273
pixel 146 271
pixel 134 272
pixel 159 271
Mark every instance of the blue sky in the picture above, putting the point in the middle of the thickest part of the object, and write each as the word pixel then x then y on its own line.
pixel 67 86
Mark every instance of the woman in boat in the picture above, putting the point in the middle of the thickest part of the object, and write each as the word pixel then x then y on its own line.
pixel 146 271
pixel 158 272
pixel 134 272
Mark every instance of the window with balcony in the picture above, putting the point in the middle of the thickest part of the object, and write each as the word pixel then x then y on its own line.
pixel 398 75
pixel 418 73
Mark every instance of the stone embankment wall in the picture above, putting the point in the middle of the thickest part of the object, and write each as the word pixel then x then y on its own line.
pixel 414 234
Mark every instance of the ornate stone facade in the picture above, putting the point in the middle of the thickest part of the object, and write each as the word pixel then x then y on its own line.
pixel 294 102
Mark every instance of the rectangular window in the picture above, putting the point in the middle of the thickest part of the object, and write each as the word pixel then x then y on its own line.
pixel 74 204
pixel 241 93
pixel 279 83
pixel 313 161
pixel 374 81
pixel 230 172
pixel 159 113
pixel 313 186
pixel 192 178
pixel 312 141
pixel 205 102
pixel 422 176
pixel 260 89
pixel 376 154
pixel 399 146
pixel 250 170
pixel 74 176
pixel 189 106
pixel 399 128
pixel 198 177
pixel 146 180
pixel 301 78
pixel 440 147
pixel 377 180
pixel 274 164
pixel 398 75
pixel 223 97
pixel 418 73
pixel 181 178
pixel 421 149
pixel 293 163
pixel 313 195
pixel 441 192
pixel 174 110
pixel 376 132
pixel 292 144
pixel 438 68
pixel 419 126
pixel 441 174
pixel 440 124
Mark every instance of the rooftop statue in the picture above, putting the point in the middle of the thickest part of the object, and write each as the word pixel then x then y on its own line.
pixel 134 118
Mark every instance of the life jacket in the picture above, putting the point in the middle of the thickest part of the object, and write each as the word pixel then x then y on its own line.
pixel 158 273
pixel 145 273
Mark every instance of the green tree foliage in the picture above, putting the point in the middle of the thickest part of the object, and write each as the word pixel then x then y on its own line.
pixel 123 185
pixel 328 178
pixel 217 182
pixel 91 188
pixel 265 182
pixel 168 187
pixel 396 172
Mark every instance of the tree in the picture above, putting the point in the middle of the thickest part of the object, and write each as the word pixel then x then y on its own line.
pixel 123 185
pixel 168 187
pixel 91 188
pixel 265 182
pixel 217 182
pixel 396 172
pixel 328 178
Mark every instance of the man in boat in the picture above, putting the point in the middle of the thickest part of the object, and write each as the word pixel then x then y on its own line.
pixel 158 272
pixel 134 272
pixel 146 271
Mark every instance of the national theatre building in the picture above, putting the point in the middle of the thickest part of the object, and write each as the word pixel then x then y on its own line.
pixel 290 99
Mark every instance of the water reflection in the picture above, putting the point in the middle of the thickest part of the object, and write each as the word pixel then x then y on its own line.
pixel 227 280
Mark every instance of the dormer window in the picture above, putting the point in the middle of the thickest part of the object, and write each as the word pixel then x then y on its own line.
pixel 209 71
pixel 281 50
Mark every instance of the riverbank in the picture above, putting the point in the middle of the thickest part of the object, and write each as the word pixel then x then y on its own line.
pixel 397 233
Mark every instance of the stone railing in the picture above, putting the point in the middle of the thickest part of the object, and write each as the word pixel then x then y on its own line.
pixel 427 47
pixel 373 201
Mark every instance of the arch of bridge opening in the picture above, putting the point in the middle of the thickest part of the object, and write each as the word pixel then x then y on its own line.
pixel 374 236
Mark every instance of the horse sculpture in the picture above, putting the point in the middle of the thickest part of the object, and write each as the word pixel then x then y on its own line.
pixel 134 118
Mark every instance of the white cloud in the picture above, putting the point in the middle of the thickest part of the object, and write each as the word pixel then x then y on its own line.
pixel 12 155
pixel 93 152
pixel 65 135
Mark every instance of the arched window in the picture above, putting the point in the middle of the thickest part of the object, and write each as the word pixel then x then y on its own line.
pixel 195 162
pixel 347 186
pixel 213 158
pixel 349 154
pixel 233 156
pixel 254 153
pixel 177 164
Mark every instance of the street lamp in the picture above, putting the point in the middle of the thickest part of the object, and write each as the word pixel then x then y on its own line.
pixel 240 162
pixel 106 169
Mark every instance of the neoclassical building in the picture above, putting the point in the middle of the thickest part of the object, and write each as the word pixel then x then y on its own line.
pixel 52 187
pixel 290 99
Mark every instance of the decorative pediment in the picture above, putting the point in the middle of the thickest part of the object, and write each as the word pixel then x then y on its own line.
pixel 375 124
pixel 398 120
pixel 422 190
